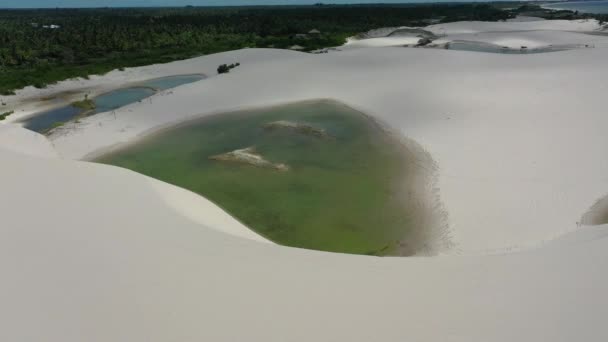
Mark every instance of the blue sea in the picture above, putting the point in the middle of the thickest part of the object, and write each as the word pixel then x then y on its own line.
pixel 179 3
pixel 581 6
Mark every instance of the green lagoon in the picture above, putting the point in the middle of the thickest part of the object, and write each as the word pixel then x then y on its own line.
pixel 340 191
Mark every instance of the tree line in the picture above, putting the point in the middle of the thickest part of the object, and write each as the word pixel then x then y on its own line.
pixel 38 47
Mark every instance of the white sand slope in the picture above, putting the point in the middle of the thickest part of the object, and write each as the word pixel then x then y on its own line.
pixel 16 139
pixel 111 262
pixel 96 253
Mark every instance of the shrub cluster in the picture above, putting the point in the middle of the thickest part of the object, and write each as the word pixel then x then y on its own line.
pixel 225 68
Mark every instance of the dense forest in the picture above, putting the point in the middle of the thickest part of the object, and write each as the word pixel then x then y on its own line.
pixel 39 47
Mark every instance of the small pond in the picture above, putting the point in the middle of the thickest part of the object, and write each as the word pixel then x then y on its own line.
pixel 169 82
pixel 120 98
pixel 493 48
pixel 112 100
pixel 49 119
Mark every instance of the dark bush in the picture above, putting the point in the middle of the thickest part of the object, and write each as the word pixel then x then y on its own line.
pixel 223 69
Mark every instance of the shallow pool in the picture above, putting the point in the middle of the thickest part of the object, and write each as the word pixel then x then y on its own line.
pixel 112 100
pixel 493 48
pixel 50 119
pixel 172 81
pixel 121 97
pixel 340 192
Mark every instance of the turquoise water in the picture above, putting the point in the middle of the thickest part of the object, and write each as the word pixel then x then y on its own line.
pixel 172 81
pixel 581 6
pixel 120 98
pixel 115 99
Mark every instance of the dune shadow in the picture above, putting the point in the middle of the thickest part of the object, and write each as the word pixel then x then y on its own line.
pixel 597 214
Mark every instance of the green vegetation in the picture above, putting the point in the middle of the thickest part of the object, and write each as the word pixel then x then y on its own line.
pixel 337 194
pixel 86 104
pixel 5 115
pixel 225 68
pixel 83 42
pixel 56 125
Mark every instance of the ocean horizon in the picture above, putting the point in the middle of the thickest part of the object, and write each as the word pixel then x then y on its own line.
pixel 581 6
pixel 8 4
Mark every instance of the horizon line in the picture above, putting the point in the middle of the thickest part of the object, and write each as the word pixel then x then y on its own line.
pixel 319 4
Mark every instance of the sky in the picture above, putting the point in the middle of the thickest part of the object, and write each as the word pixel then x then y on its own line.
pixel 151 3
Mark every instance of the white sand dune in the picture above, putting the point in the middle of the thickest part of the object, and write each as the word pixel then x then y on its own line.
pixel 583 25
pixel 530 32
pixel 524 18
pixel 380 42
pixel 97 253
pixel 530 39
